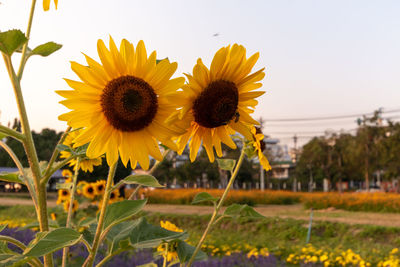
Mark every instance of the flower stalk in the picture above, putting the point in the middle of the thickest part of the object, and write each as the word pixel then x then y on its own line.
pixel 218 207
pixel 96 242
pixel 70 210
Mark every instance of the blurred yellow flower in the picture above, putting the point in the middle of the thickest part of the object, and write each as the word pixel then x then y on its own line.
pixel 217 102
pixel 63 195
pixel 86 164
pixel 122 104
pixel 66 173
pixel 100 187
pixel 172 246
pixel 75 205
pixel 46 4
pixel 259 146
pixel 89 190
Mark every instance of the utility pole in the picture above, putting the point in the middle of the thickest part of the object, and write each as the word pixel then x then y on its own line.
pixel 295 162
pixel 262 172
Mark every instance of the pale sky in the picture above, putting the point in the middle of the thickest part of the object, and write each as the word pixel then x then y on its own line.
pixel 322 58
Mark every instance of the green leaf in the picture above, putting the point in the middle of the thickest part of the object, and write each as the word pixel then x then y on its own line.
pixel 2 227
pixel 145 235
pixel 11 177
pixel 62 147
pixel 86 221
pixel 185 252
pixel 36 224
pixel 48 242
pixel 11 40
pixel 119 234
pixel 236 210
pixel 204 196
pixel 119 211
pixel 142 179
pixel 226 164
pixel 46 49
pixel 88 234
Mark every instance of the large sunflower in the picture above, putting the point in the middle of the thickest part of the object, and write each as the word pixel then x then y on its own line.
pixel 122 104
pixel 85 164
pixel 217 101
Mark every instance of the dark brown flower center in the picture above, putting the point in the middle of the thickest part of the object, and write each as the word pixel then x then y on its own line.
pixel 90 190
pixel 129 103
pixel 100 187
pixel 217 104
pixel 64 192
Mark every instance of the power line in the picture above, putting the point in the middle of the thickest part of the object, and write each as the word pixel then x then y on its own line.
pixel 328 117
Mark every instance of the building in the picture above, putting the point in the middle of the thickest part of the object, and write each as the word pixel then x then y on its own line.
pixel 13 187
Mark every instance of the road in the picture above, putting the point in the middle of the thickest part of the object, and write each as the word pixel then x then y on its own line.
pixel 282 211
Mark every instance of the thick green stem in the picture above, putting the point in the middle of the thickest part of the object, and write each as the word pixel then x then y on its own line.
pixel 30 151
pixel 70 210
pixel 217 208
pixel 96 242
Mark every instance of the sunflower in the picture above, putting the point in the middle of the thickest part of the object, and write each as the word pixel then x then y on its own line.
pixel 86 164
pixel 63 195
pixel 217 102
pixel 66 173
pixel 259 147
pixel 114 196
pixel 100 187
pixel 89 190
pixel 75 205
pixel 172 246
pixel 46 4
pixel 122 104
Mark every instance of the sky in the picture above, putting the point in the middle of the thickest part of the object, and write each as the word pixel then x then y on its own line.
pixel 322 58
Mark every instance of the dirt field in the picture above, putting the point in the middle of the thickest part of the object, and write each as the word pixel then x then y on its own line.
pixel 283 211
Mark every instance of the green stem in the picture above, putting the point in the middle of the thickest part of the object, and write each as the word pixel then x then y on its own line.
pixel 61 164
pixel 96 242
pixel 21 171
pixel 25 47
pixel 71 202
pixel 134 192
pixel 15 134
pixel 216 210
pixel 109 256
pixel 56 151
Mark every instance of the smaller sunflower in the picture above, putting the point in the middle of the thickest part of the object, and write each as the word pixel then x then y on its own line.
pixel 75 205
pixel 80 186
pixel 217 101
pixel 63 195
pixel 86 164
pixel 259 147
pixel 172 246
pixel 46 4
pixel 100 187
pixel 114 196
pixel 89 190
